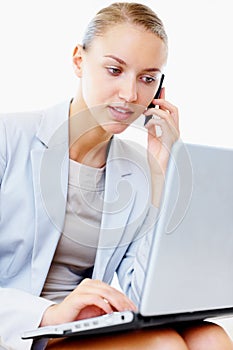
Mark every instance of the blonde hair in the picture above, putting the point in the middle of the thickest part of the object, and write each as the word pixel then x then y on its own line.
pixel 124 12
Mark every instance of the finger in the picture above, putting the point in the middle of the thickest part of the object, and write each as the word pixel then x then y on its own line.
pixel 163 106
pixel 79 302
pixel 161 119
pixel 162 94
pixel 118 300
pixel 90 311
pixel 169 130
pixel 115 297
pixel 97 301
pixel 161 114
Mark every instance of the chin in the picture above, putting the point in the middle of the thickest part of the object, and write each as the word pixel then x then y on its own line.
pixel 115 128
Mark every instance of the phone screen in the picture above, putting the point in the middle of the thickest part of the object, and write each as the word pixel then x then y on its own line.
pixel 157 95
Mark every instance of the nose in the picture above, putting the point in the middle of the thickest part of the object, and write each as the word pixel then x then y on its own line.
pixel 128 89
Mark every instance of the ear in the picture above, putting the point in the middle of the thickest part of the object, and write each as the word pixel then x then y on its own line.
pixel 77 60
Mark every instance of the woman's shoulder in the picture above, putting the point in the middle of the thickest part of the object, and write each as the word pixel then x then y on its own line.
pixel 30 121
pixel 20 120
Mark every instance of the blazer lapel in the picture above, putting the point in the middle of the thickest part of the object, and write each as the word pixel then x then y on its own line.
pixel 118 203
pixel 50 178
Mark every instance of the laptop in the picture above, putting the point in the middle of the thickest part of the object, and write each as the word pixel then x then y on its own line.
pixel 190 265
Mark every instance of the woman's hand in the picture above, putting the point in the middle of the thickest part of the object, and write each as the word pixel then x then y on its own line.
pixel 91 298
pixel 159 146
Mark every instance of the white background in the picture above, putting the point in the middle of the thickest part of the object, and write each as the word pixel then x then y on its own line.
pixel 37 39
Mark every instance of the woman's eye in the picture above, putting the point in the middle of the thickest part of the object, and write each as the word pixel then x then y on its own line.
pixel 114 70
pixel 148 79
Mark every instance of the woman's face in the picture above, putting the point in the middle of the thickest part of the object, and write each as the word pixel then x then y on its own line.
pixel 120 74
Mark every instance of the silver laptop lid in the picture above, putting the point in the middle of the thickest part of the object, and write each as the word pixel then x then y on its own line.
pixel 190 267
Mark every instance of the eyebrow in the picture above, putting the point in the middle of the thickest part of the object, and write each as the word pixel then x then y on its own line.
pixel 119 60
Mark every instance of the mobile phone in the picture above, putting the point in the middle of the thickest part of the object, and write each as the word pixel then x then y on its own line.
pixel 157 95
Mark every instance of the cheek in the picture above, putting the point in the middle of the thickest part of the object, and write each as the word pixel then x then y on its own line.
pixel 144 98
pixel 96 92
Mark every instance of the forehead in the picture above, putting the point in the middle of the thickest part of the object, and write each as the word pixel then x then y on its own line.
pixel 131 43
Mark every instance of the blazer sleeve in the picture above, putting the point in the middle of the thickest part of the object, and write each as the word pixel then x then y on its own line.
pixel 19 312
pixel 132 269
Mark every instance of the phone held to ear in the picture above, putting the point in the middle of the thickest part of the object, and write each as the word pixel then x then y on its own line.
pixel 157 95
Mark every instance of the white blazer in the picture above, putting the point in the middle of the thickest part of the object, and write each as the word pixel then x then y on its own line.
pixel 34 162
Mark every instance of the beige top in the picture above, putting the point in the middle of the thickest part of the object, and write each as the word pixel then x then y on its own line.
pixel 75 254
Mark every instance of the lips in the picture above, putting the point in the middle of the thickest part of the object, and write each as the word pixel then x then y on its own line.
pixel 120 113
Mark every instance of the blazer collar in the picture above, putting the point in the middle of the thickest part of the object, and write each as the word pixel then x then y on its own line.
pixel 54 125
pixel 119 201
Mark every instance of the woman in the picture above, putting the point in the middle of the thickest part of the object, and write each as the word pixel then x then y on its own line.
pixel 77 203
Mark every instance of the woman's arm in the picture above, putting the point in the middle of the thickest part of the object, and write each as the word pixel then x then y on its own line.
pixel 166 117
pixel 19 311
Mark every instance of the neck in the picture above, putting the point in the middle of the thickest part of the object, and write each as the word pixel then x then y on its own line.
pixel 88 140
